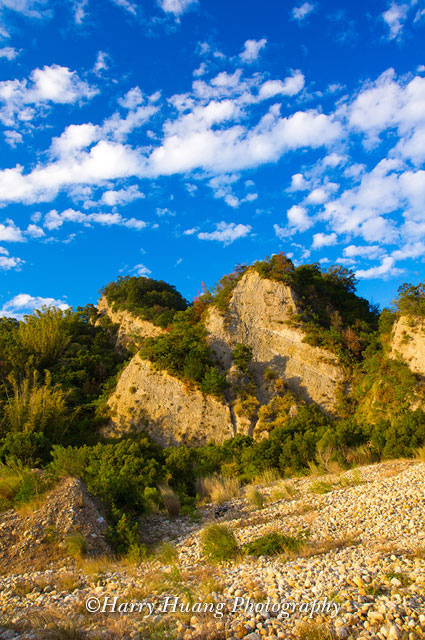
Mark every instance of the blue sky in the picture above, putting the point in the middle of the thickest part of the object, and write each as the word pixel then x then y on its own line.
pixel 177 138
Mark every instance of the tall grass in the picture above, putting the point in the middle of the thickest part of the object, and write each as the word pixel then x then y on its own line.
pixel 218 489
pixel 170 500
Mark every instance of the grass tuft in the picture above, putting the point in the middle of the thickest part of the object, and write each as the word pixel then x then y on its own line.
pixel 218 542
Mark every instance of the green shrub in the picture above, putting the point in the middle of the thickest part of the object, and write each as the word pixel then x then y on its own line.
pixel 218 543
pixel 242 356
pixel 76 545
pixel 153 300
pixel 274 543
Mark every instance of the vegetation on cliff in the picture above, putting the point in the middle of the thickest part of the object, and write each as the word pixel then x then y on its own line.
pixel 57 368
pixel 152 300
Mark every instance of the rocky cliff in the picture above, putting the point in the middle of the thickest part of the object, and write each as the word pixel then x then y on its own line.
pixel 408 342
pixel 258 316
pixel 164 407
pixel 130 328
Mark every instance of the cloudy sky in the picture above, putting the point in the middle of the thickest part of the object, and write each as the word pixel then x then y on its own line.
pixel 177 138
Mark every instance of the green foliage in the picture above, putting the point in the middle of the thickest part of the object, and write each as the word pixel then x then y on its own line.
pixel 183 351
pixel 332 315
pixel 152 300
pixel 411 300
pixel 223 290
pixel 54 367
pixel 19 484
pixel 242 356
pixel 76 544
pixel 272 544
pixel 218 543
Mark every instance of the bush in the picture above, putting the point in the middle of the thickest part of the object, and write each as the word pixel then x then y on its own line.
pixel 272 544
pixel 153 300
pixel 19 484
pixel 218 543
pixel 242 356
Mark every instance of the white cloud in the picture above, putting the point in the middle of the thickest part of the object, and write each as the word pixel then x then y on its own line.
pixel 226 232
pixel 289 87
pixel 298 219
pixel 25 303
pixel 141 270
pixel 252 49
pixel 9 232
pixel 54 220
pixel 122 196
pixel 370 252
pixel 131 7
pixel 300 13
pixel 10 53
pixel 102 63
pixel 190 232
pixel 21 99
pixel 13 138
pixel 79 7
pixel 34 231
pixel 385 270
pixel 323 240
pixel 394 18
pixel 177 7
pixel 8 262
pixel 29 8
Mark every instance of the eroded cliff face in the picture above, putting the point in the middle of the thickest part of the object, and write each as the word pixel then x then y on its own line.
pixel 258 313
pixel 165 408
pixel 131 328
pixel 408 342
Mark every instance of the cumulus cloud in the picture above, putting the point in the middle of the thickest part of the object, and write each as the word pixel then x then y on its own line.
pixel 385 270
pixel 122 196
pixel 8 262
pixel 289 87
pixel 324 240
pixel 9 232
pixel 298 219
pixel 20 100
pixel 300 13
pixel 252 49
pixel 226 232
pixel 24 303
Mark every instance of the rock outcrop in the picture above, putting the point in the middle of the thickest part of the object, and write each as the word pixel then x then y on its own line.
pixel 28 537
pixel 130 327
pixel 408 342
pixel 258 316
pixel 163 406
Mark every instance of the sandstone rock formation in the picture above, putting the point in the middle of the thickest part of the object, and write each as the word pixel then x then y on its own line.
pixel 164 407
pixel 408 342
pixel 258 315
pixel 131 328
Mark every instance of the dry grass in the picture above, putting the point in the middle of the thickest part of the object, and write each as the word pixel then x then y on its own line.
pixel 254 498
pixel 324 546
pixel 284 491
pixel 170 500
pixel 218 489
pixel 266 477
pixel 421 454
pixel 313 631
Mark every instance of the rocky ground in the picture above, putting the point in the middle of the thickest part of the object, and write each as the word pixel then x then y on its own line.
pixel 360 575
